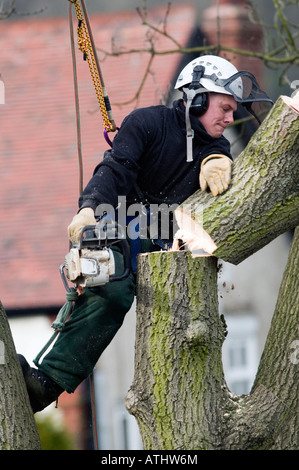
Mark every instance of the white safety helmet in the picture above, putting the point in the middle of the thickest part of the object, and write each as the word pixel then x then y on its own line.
pixel 213 74
pixel 214 66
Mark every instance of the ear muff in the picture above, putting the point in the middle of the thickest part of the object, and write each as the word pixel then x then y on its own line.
pixel 200 102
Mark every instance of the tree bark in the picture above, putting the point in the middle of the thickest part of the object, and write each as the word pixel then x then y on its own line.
pixel 178 352
pixel 279 366
pixel 18 429
pixel 179 395
pixel 263 199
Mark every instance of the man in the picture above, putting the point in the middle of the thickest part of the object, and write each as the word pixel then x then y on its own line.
pixel 159 156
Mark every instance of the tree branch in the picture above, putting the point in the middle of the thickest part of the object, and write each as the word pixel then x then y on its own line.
pixel 264 192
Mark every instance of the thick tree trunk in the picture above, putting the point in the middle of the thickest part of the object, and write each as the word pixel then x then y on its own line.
pixel 263 200
pixel 178 375
pixel 18 429
pixel 179 395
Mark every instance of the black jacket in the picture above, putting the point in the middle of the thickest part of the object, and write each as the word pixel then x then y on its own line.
pixel 150 150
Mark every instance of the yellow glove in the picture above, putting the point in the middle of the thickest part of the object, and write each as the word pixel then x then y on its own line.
pixel 215 173
pixel 83 218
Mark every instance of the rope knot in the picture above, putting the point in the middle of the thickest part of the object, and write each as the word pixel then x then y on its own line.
pixel 83 45
pixel 72 295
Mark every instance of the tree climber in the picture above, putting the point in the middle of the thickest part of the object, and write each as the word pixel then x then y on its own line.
pixel 160 155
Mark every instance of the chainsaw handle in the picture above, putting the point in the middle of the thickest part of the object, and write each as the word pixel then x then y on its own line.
pixel 63 277
pixel 101 235
pixel 125 250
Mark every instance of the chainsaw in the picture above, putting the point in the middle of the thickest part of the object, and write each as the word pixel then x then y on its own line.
pixel 90 262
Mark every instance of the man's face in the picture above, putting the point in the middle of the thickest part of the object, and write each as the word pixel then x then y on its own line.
pixel 219 114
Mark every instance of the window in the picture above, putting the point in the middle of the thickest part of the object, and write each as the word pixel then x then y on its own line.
pixel 237 354
pixel 117 429
pixel 240 352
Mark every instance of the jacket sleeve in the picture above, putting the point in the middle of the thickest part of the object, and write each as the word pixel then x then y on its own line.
pixel 118 171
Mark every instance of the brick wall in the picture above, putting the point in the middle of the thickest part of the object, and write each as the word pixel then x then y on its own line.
pixel 230 24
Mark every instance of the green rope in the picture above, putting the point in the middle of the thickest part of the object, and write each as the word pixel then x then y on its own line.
pixel 79 145
pixel 59 323
pixel 71 294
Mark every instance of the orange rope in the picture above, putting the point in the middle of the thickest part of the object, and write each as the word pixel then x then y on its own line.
pixel 86 46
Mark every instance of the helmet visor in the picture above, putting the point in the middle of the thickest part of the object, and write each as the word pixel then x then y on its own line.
pixel 242 86
pixel 258 109
pixel 245 90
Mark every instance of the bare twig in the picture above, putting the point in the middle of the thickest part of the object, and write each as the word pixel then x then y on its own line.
pixel 138 92
pixel 8 10
pixel 284 55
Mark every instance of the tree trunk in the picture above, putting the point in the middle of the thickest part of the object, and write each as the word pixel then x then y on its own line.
pixel 178 375
pixel 18 429
pixel 279 366
pixel 263 200
pixel 179 395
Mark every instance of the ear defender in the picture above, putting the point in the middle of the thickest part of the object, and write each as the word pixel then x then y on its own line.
pixel 200 102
